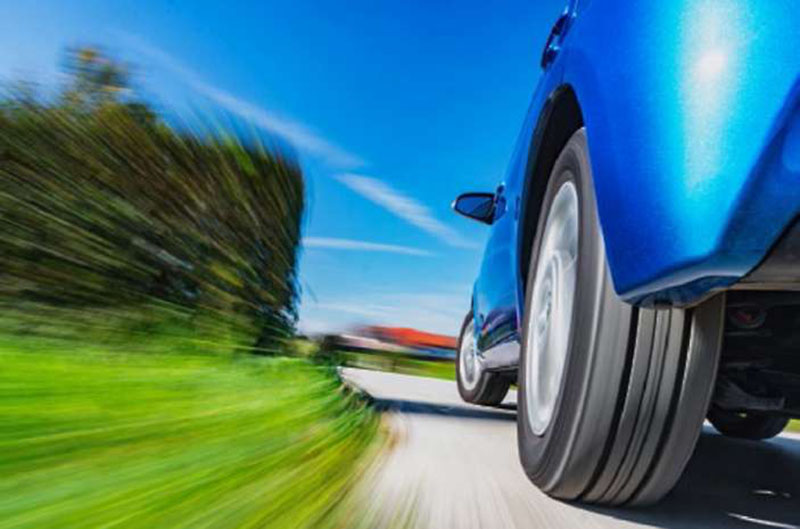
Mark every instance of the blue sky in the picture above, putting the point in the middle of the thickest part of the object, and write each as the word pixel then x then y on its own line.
pixel 393 107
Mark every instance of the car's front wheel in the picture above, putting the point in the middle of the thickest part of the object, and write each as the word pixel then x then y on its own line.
pixel 612 398
pixel 475 384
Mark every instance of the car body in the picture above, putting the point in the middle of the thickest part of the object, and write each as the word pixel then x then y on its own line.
pixel 692 117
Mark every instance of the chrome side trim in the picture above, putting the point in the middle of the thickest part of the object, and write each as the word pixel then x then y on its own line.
pixel 501 356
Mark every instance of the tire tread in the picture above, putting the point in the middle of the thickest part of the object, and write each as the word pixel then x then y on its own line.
pixel 641 385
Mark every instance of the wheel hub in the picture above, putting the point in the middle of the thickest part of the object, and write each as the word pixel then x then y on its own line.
pixel 469 362
pixel 550 319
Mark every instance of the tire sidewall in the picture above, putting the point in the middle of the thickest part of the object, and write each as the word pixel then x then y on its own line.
pixel 539 453
pixel 469 395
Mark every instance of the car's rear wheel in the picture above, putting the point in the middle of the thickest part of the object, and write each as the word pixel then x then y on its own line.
pixel 612 398
pixel 750 425
pixel 475 384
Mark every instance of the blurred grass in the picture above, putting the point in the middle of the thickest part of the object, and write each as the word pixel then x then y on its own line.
pixel 395 363
pixel 100 439
pixel 328 351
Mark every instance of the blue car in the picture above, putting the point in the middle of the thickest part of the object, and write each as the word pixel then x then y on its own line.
pixel 642 273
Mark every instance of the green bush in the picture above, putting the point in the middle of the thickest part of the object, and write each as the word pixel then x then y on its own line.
pixel 105 207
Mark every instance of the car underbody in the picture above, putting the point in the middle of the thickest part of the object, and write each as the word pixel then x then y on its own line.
pixel 759 369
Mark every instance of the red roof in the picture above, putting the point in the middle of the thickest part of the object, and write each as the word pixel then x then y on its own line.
pixel 412 337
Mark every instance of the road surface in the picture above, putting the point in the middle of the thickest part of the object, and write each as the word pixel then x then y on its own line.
pixel 455 466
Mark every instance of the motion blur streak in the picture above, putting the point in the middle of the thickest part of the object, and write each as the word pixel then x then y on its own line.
pixel 147 304
pixel 403 207
pixel 103 206
pixel 292 131
pixel 334 243
pixel 93 438
pixel 454 465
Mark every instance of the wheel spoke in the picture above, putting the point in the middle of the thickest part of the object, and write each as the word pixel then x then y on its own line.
pixel 469 363
pixel 550 321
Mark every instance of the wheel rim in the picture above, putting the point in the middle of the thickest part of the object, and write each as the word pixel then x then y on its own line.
pixel 469 364
pixel 550 318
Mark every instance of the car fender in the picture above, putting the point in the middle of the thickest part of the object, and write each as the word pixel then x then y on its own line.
pixel 680 101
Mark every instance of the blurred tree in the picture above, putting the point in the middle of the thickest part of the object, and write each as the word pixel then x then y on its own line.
pixel 102 204
pixel 94 78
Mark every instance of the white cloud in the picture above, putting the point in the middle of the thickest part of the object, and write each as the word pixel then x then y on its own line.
pixel 403 207
pixel 350 244
pixel 314 145
pixel 296 133
pixel 361 309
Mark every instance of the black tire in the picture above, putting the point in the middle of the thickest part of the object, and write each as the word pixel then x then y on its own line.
pixel 490 388
pixel 754 426
pixel 636 383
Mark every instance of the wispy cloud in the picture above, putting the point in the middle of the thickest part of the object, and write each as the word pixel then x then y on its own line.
pixel 312 144
pixel 298 134
pixel 361 309
pixel 403 207
pixel 350 244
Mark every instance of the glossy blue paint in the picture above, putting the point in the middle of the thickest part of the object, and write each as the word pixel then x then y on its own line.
pixel 497 295
pixel 692 112
pixel 678 124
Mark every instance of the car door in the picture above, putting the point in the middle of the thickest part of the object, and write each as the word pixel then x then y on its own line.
pixel 497 295
pixel 495 289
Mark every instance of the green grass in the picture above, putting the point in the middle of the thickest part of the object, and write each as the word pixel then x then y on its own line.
pixel 162 440
pixel 794 426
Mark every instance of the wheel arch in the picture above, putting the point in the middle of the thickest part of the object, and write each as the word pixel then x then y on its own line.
pixel 560 117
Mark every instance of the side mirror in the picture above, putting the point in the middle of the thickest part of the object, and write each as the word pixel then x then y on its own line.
pixel 477 206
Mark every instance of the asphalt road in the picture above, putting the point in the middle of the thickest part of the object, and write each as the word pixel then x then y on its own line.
pixel 455 466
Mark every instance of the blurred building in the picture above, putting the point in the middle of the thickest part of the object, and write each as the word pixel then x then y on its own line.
pixel 421 342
